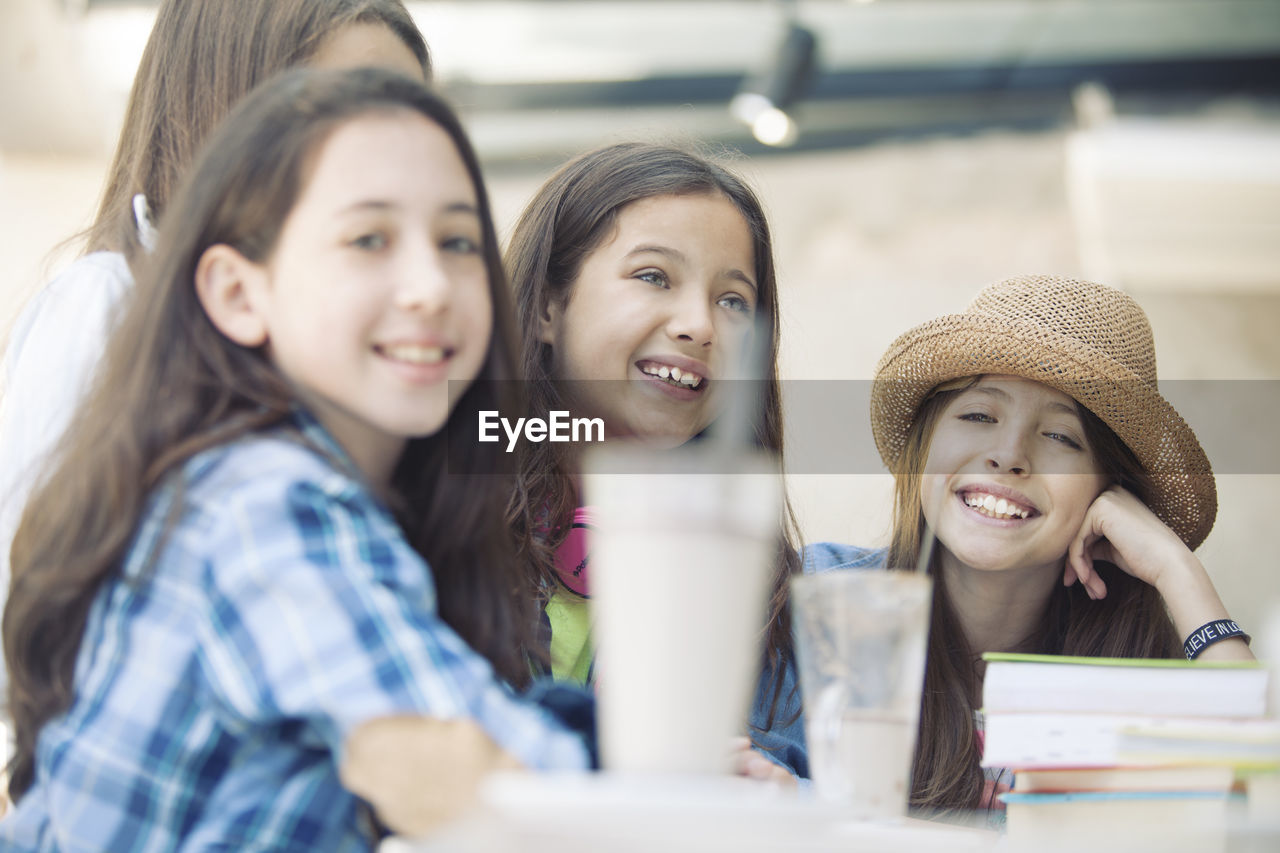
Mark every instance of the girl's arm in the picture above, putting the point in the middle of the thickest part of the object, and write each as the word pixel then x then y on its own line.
pixel 420 773
pixel 322 615
pixel 1122 530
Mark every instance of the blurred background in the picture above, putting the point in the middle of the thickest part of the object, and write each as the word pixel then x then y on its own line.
pixel 908 151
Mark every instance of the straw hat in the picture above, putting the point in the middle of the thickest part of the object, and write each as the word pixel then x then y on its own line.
pixel 1090 342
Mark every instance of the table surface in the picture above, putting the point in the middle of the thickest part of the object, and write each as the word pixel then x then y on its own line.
pixel 567 813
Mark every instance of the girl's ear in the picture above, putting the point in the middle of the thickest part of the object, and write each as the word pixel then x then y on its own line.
pixel 549 320
pixel 230 287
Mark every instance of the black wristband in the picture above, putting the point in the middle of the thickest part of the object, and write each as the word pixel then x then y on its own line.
pixel 1209 633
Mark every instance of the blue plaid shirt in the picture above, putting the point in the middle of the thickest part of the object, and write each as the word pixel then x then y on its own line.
pixel 218 678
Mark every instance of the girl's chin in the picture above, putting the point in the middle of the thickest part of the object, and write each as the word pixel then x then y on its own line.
pixel 651 440
pixel 657 434
pixel 996 562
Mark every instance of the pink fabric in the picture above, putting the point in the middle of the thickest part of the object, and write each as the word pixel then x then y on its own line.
pixel 572 555
pixel 991 790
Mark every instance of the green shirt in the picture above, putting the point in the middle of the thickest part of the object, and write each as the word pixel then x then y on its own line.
pixel 571 648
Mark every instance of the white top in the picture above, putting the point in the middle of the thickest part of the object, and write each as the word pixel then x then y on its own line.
pixel 56 345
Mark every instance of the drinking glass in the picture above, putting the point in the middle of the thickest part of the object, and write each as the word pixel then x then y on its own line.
pixel 860 645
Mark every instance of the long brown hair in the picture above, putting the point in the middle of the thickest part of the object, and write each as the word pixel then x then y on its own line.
pixel 202 57
pixel 172 385
pixel 1130 622
pixel 567 220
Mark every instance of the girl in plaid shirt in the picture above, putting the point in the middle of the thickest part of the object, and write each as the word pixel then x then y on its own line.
pixel 249 571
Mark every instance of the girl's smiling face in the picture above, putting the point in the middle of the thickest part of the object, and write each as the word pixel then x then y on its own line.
pixel 377 294
pixel 658 314
pixel 1009 476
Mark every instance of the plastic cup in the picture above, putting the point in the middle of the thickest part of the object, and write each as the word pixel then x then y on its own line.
pixel 681 564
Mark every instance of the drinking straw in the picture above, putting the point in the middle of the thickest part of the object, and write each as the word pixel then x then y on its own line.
pixel 744 401
pixel 926 549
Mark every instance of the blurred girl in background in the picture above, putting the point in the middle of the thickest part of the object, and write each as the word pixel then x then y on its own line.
pixel 202 57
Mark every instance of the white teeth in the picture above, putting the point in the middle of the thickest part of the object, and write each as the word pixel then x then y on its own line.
pixel 674 375
pixel 994 507
pixel 415 354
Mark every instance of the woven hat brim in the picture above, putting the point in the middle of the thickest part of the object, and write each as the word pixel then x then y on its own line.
pixel 1184 494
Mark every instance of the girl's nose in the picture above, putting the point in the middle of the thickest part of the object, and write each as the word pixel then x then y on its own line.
pixel 423 281
pixel 1009 455
pixel 691 321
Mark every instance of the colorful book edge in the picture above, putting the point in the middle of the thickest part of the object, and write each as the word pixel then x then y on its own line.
pixel 1096 796
pixel 1143 663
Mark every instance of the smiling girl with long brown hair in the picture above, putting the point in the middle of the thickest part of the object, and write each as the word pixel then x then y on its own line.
pixel 641 271
pixel 250 550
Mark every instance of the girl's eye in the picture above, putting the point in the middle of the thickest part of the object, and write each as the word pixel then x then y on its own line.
pixel 735 303
pixel 655 277
pixel 461 245
pixel 371 242
pixel 1064 439
pixel 977 417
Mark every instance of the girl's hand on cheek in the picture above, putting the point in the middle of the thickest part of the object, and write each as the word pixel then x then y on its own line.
pixel 1120 529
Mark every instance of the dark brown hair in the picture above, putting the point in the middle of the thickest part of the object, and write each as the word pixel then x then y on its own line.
pixel 202 57
pixel 172 385
pixel 567 220
pixel 1130 622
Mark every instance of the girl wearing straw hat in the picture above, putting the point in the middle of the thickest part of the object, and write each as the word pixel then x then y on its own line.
pixel 1066 494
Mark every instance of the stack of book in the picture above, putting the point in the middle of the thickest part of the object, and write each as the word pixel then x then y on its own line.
pixel 1120 753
